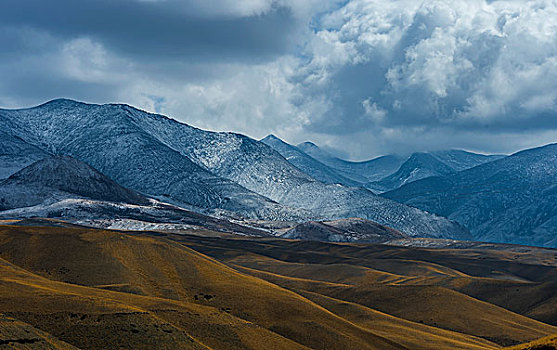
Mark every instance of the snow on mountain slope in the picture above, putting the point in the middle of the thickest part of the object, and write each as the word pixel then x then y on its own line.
pixel 384 173
pixel 123 216
pixel 106 137
pixel 307 164
pixel 159 156
pixel 511 200
pixel 16 154
pixel 239 158
pixel 363 172
pixel 461 160
pixel 259 168
pixel 64 187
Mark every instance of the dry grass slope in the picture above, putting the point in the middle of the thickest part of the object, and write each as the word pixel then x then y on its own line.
pixel 546 343
pixel 98 289
pixel 15 334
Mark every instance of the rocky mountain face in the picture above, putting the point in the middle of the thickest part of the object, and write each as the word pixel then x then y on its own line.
pixel 344 230
pixel 108 138
pixel 257 167
pixel 228 172
pixel 65 177
pixel 64 187
pixel 511 200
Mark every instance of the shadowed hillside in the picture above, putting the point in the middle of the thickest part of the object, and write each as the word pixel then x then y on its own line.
pixel 546 343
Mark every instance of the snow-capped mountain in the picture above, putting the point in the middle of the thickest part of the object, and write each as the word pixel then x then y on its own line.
pixel 259 168
pixel 422 165
pixel 510 200
pixel 108 138
pixel 461 160
pixel 389 172
pixel 161 157
pixel 362 172
pixel 344 230
pixel 307 164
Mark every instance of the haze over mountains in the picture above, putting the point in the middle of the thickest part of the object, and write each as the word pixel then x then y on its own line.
pixel 382 173
pixel 363 172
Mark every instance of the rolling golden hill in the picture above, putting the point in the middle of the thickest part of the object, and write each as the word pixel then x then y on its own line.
pixel 95 289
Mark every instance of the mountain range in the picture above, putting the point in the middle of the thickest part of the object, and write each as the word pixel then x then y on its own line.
pixel 217 173
pixel 67 188
pixel 362 172
pixel 308 164
pixel 67 158
pixel 380 174
pixel 499 198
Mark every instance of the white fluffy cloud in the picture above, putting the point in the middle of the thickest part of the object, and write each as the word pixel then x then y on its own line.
pixel 420 67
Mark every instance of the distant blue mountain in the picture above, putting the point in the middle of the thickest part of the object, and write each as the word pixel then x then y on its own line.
pixel 362 172
pixel 461 160
pixel 389 172
pixel 513 199
pixel 417 167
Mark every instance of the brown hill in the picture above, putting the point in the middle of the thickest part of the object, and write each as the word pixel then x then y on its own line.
pixel 99 289
pixel 344 230
pixel 445 288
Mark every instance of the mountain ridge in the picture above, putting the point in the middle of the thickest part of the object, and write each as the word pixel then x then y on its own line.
pixel 306 163
pixel 107 138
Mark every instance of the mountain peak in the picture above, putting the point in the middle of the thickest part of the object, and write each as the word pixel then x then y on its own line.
pixel 308 144
pixel 67 174
pixel 271 137
pixel 59 102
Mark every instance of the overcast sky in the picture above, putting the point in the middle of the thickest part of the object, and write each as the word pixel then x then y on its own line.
pixel 362 77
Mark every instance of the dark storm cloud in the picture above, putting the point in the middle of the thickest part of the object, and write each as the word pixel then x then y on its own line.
pixel 157 29
pixel 122 50
pixel 363 76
